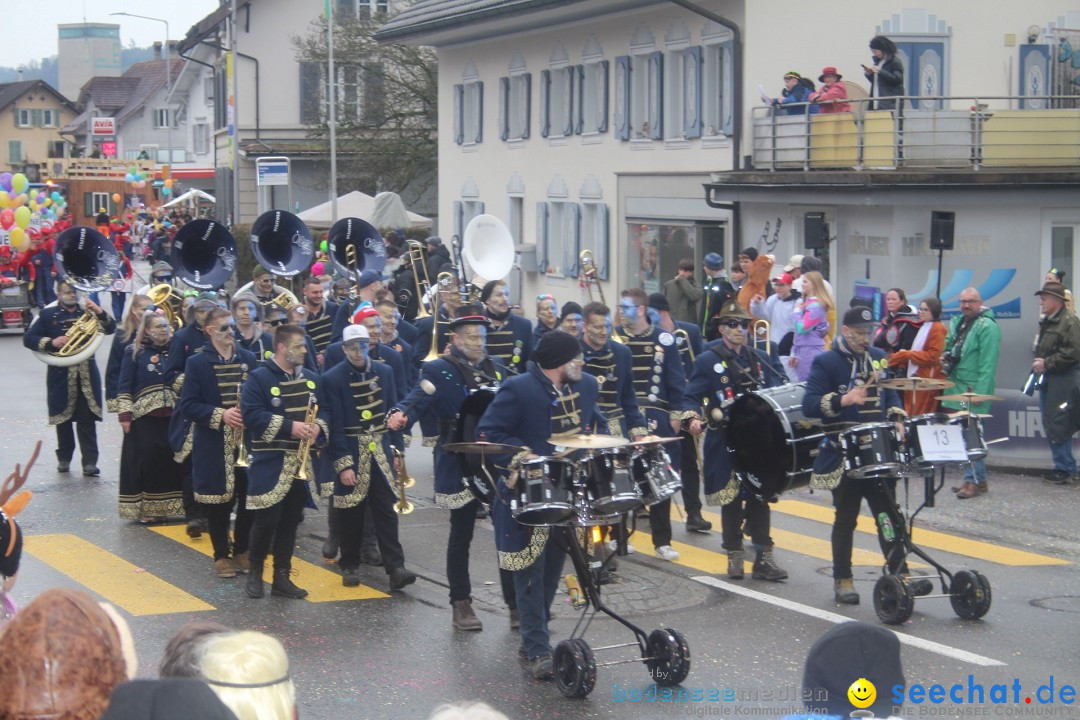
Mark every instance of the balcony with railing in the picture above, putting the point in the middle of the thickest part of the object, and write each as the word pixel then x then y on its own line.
pixel 98 168
pixel 923 134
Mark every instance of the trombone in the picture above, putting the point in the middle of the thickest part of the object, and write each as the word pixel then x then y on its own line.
pixel 760 328
pixel 415 255
pixel 443 280
pixel 403 480
pixel 590 275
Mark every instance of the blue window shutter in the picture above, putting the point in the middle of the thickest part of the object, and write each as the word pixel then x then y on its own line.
pixel 571 239
pixel 727 88
pixel 479 111
pixel 579 116
pixel 691 81
pixel 528 106
pixel 568 119
pixel 622 97
pixel 605 72
pixel 541 237
pixel 656 61
pixel 479 209
pixel 1034 75
pixel 459 114
pixel 504 108
pixel 600 234
pixel 459 220
pixel 545 102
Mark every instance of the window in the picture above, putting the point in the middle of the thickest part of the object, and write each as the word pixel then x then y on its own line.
pixel 221 115
pixel 646 95
pixel 654 252
pixel 49 118
pixel 55 148
pixel 312 105
pixel 594 235
pixel 15 153
pixel 200 136
pixel 162 117
pixel 592 107
pixel 682 86
pixel 464 211
pixel 563 235
pixel 468 112
pixel 350 96
pixel 515 106
pixel 360 9
pixel 718 84
pixel 23 117
pixel 97 201
pixel 208 89
pixel 515 218
pixel 556 102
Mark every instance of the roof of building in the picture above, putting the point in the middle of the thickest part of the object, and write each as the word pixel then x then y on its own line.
pixel 10 92
pixel 208 24
pixel 124 95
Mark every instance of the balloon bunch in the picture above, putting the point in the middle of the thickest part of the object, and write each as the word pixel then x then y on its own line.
pixel 21 207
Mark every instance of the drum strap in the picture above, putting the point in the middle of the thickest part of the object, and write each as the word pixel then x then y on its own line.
pixel 750 379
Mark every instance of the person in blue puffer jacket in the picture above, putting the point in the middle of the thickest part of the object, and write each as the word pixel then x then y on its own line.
pixel 797 89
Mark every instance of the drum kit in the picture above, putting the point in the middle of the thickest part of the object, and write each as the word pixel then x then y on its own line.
pixel 611 478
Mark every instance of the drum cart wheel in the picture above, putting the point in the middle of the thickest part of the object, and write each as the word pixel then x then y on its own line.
pixel 665 652
pixel 970 594
pixel 893 600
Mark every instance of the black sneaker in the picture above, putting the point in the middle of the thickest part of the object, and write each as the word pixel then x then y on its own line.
pixel 696 523
pixel 1058 477
pixel 90 471
pixel 371 556
pixel 63 466
pixel 540 668
pixel 350 577
pixel 400 577
pixel 194 528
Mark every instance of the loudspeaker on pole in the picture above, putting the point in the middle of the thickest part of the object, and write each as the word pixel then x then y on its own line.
pixel 815 231
pixel 942 224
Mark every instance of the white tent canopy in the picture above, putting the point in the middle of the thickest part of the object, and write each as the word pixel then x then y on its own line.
pixel 365 207
pixel 191 197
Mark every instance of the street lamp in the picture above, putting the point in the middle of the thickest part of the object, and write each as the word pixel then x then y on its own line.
pixel 168 77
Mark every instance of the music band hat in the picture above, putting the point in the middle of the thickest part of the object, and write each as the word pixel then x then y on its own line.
pixel 205 299
pixel 555 349
pixel 471 319
pixel 352 333
pixel 659 301
pixel 434 240
pixel 733 311
pixel 793 263
pixel 1053 288
pixel 858 317
pixel 160 267
pixel 714 261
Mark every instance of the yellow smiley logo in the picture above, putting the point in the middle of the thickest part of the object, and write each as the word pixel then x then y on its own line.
pixel 862 693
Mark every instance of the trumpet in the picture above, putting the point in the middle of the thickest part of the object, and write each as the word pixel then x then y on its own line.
pixel 590 274
pixel 416 257
pixel 759 328
pixel 404 480
pixel 305 444
pixel 241 447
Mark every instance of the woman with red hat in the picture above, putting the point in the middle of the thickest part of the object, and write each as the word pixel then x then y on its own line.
pixel 832 97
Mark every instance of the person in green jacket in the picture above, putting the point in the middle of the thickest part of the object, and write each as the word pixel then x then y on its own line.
pixel 970 360
pixel 683 293
pixel 1057 359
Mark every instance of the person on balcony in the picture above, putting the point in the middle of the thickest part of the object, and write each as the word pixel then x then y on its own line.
pixel 886 75
pixel 797 90
pixel 833 96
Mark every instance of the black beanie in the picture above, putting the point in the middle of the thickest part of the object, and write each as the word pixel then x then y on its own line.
pixel 489 288
pixel 570 308
pixel 848 652
pixel 166 699
pixel 11 543
pixel 555 350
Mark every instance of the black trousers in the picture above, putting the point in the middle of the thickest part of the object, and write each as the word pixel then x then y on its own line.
pixel 274 528
pixel 192 509
pixel 847 499
pixel 217 517
pixel 758 517
pixel 84 423
pixel 462 524
pixel 691 478
pixel 660 523
pixel 350 523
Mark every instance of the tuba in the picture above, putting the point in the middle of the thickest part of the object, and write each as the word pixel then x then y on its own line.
pixel 355 246
pixel 204 254
pixel 488 247
pixel 282 243
pixel 86 259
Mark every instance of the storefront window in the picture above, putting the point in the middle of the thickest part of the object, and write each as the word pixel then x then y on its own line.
pixel 655 252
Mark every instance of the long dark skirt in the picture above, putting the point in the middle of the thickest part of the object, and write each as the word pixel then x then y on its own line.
pixel 152 486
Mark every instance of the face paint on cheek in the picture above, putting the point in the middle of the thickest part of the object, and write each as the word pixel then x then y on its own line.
pixel 654 316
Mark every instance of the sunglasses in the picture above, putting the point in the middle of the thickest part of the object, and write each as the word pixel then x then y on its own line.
pixel 224 329
pixel 737 323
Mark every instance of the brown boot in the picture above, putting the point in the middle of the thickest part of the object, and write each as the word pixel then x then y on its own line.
pixel 968 490
pixel 845 593
pixel 225 568
pixel 464 617
pixel 241 562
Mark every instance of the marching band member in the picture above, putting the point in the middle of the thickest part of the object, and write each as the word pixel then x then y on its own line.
pixel 297 317
pixel 74 392
pixel 547 316
pixel 405 329
pixel 367 285
pixel 391 337
pixel 449 302
pixel 250 335
pixel 151 490
pixel 358 393
pixel 510 337
pixel 570 320
pixel 321 314
pixel 688 340
pixel 122 340
pixel 210 400
pixel 263 287
pixel 659 382
pixel 726 369
pixel 836 392
pixel 276 400
pixel 611 363
pixel 561 401
pixel 445 384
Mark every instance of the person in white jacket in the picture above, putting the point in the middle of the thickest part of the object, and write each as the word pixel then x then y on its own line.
pixel 778 309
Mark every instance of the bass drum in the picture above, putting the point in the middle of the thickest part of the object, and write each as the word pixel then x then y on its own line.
pixel 478 478
pixel 772 443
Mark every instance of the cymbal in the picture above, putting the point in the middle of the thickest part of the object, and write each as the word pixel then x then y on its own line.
pixel 966 413
pixel 916 384
pixel 653 441
pixel 969 397
pixel 589 442
pixel 482 447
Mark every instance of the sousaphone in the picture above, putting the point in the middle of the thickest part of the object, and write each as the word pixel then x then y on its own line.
pixel 204 254
pixel 282 243
pixel 488 248
pixel 355 246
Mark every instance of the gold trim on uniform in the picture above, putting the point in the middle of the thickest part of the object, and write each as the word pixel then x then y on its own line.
pixel 531 553
pixel 112 407
pixel 638 431
pixel 150 399
pixel 683 414
pixel 123 403
pixel 133 507
pixel 455 501
pixel 189 441
pixel 342 463
pixel 216 417
pixel 724 495
pixel 232 441
pixel 828 481
pixel 826 405
pixel 431 441
pixel 290 464
pixel 363 471
pixel 272 430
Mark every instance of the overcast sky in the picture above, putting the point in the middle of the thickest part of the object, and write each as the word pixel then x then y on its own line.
pixel 29 29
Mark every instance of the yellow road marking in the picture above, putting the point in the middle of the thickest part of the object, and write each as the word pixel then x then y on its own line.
pixel 928 538
pixel 115 579
pixel 321 584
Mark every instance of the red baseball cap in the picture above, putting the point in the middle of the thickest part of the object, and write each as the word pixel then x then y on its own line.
pixel 783 279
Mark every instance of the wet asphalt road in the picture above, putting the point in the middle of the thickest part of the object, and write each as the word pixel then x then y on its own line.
pixel 398 656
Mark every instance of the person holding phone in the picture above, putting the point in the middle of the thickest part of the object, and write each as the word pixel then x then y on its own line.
pixel 886 75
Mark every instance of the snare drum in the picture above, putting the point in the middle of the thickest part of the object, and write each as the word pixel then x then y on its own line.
pixel 974 442
pixel 913 454
pixel 871 450
pixel 651 471
pixel 608 485
pixel 544 494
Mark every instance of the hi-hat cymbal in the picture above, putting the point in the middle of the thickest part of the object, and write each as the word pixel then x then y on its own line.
pixel 969 397
pixel 966 413
pixel 589 442
pixel 652 440
pixel 482 447
pixel 916 384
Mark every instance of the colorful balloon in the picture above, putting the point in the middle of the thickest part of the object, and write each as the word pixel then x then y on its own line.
pixel 19 238
pixel 19 182
pixel 168 183
pixel 5 181
pixel 5 199
pixel 166 191
pixel 116 198
pixel 7 218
